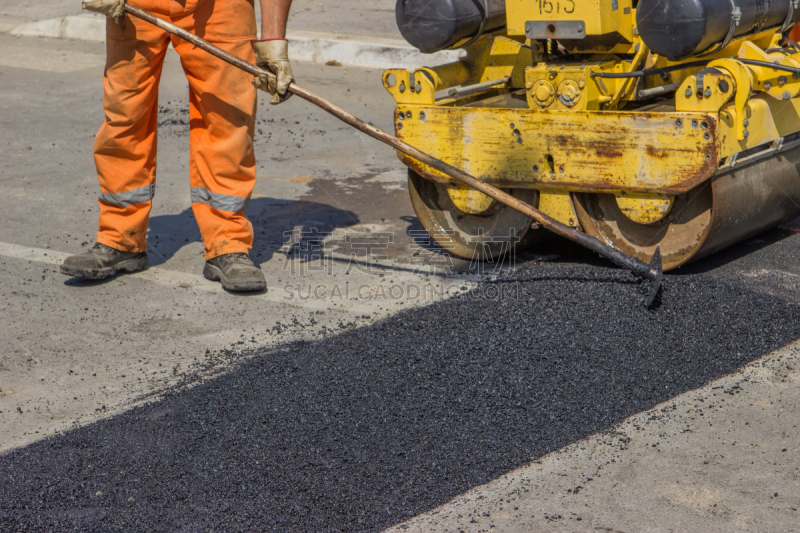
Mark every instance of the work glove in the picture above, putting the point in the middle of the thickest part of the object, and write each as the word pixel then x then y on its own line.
pixel 113 9
pixel 273 55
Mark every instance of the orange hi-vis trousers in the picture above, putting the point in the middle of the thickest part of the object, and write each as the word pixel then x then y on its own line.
pixel 222 108
pixel 794 33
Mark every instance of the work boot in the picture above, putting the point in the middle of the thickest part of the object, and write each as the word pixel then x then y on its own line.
pixel 236 272
pixel 103 262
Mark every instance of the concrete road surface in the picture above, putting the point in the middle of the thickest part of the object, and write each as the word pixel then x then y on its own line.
pixel 712 446
pixel 74 350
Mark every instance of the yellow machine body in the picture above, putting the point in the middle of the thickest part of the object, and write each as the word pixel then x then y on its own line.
pixel 669 160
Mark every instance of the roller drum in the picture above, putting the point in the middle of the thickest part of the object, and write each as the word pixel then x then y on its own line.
pixel 727 209
pixel 752 199
pixel 433 25
pixel 679 29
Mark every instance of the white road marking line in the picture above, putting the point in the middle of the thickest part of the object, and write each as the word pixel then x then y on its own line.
pixel 32 254
pixel 173 278
pixel 161 276
pixel 765 272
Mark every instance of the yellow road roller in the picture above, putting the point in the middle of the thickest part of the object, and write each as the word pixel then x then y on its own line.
pixel 669 124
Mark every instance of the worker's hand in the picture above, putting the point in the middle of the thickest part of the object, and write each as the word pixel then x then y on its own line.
pixel 113 9
pixel 273 55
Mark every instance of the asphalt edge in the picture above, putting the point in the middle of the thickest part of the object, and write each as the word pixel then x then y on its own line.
pixel 304 46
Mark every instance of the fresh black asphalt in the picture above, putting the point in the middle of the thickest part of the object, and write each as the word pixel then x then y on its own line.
pixel 363 430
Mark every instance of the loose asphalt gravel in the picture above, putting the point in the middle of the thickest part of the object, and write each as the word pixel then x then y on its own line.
pixel 368 428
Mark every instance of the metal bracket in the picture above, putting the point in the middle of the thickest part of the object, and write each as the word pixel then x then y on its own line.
pixel 555 29
pixel 775 147
pixel 744 87
pixel 789 16
pixel 736 17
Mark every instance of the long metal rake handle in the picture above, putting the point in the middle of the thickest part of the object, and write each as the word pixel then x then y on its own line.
pixel 652 271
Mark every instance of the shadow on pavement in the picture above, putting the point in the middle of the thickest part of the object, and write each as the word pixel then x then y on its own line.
pixel 273 222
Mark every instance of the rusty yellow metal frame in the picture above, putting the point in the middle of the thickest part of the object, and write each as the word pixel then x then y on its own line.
pixel 768 120
pixel 486 60
pixel 664 153
pixel 645 158
pixel 755 104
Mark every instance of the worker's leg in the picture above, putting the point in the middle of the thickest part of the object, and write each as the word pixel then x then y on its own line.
pixel 125 146
pixel 222 107
pixel 794 33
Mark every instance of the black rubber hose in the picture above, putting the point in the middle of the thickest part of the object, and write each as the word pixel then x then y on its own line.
pixel 651 72
pixel 767 64
pixel 683 66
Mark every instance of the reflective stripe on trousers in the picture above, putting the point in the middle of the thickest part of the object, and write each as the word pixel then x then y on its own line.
pixel 132 197
pixel 220 202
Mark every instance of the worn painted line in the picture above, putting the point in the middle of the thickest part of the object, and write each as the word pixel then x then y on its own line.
pixel 163 276
pixel 32 254
pixel 174 278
